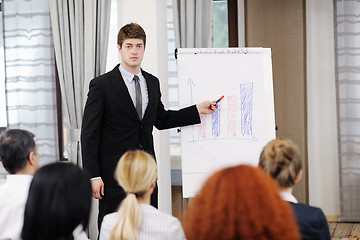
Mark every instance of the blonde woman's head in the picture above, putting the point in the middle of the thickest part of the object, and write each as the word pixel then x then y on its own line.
pixel 280 158
pixel 136 171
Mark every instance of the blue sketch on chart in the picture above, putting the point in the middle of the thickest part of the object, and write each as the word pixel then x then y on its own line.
pixel 246 95
pixel 216 122
pixel 232 115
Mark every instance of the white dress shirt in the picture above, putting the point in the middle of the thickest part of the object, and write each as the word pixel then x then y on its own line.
pixel 13 196
pixel 153 225
pixel 286 196
pixel 130 84
pixel 79 233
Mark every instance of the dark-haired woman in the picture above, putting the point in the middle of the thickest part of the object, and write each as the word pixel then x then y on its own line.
pixel 58 204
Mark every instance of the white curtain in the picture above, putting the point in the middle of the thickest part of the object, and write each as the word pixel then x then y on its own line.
pixel 80 30
pixel 347 49
pixel 30 73
pixel 193 23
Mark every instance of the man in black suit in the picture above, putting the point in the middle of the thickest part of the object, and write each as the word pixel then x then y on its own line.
pixel 122 107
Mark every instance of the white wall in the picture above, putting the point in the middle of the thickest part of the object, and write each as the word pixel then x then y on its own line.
pixel 151 15
pixel 321 104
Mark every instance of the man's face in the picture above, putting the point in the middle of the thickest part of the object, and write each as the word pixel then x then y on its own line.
pixel 132 53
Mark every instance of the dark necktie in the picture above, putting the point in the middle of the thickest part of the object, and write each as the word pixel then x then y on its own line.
pixel 138 101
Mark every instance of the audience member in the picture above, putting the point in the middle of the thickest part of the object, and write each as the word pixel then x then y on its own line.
pixel 281 160
pixel 19 156
pixel 239 202
pixel 136 219
pixel 58 206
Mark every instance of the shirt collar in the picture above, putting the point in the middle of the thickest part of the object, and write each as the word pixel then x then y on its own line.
pixel 128 76
pixel 286 196
pixel 18 177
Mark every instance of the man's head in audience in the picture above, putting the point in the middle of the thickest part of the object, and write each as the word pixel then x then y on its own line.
pixel 19 152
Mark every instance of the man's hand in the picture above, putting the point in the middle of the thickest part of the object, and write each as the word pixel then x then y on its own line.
pixel 206 107
pixel 97 186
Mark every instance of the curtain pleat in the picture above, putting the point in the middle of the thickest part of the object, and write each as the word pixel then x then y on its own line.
pixel 347 50
pixel 80 32
pixel 193 23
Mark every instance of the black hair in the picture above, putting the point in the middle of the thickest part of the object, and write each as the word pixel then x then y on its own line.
pixel 15 148
pixel 59 200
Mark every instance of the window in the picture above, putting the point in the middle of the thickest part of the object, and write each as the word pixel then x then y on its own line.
pixel 3 115
pixel 112 54
pixel 220 30
pixel 220 40
pixel 172 77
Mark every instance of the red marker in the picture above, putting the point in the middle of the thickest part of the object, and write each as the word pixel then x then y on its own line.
pixel 219 100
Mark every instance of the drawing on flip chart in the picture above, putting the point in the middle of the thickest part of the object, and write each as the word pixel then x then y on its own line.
pixel 246 93
pixel 237 132
pixel 191 84
pixel 216 122
pixel 233 119
pixel 231 101
pixel 202 127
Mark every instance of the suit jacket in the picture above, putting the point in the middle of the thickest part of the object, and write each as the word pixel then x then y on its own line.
pixel 111 126
pixel 311 221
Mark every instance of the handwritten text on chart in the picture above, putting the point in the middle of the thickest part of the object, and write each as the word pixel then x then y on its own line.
pixel 220 50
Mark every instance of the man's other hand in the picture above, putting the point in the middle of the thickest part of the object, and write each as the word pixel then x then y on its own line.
pixel 97 186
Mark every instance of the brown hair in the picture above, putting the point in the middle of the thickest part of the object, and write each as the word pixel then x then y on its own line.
pixel 239 202
pixel 280 158
pixel 131 30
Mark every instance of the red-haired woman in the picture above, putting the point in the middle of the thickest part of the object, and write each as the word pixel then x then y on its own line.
pixel 239 202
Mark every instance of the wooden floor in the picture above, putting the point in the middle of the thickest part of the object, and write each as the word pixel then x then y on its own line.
pixel 344 231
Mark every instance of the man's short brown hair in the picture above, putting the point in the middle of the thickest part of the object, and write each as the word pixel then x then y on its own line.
pixel 131 30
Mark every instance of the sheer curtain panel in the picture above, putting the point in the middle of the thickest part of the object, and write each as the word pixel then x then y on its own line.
pixel 347 50
pixel 30 73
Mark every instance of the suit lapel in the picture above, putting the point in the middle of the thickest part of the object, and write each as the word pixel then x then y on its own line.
pixel 118 83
